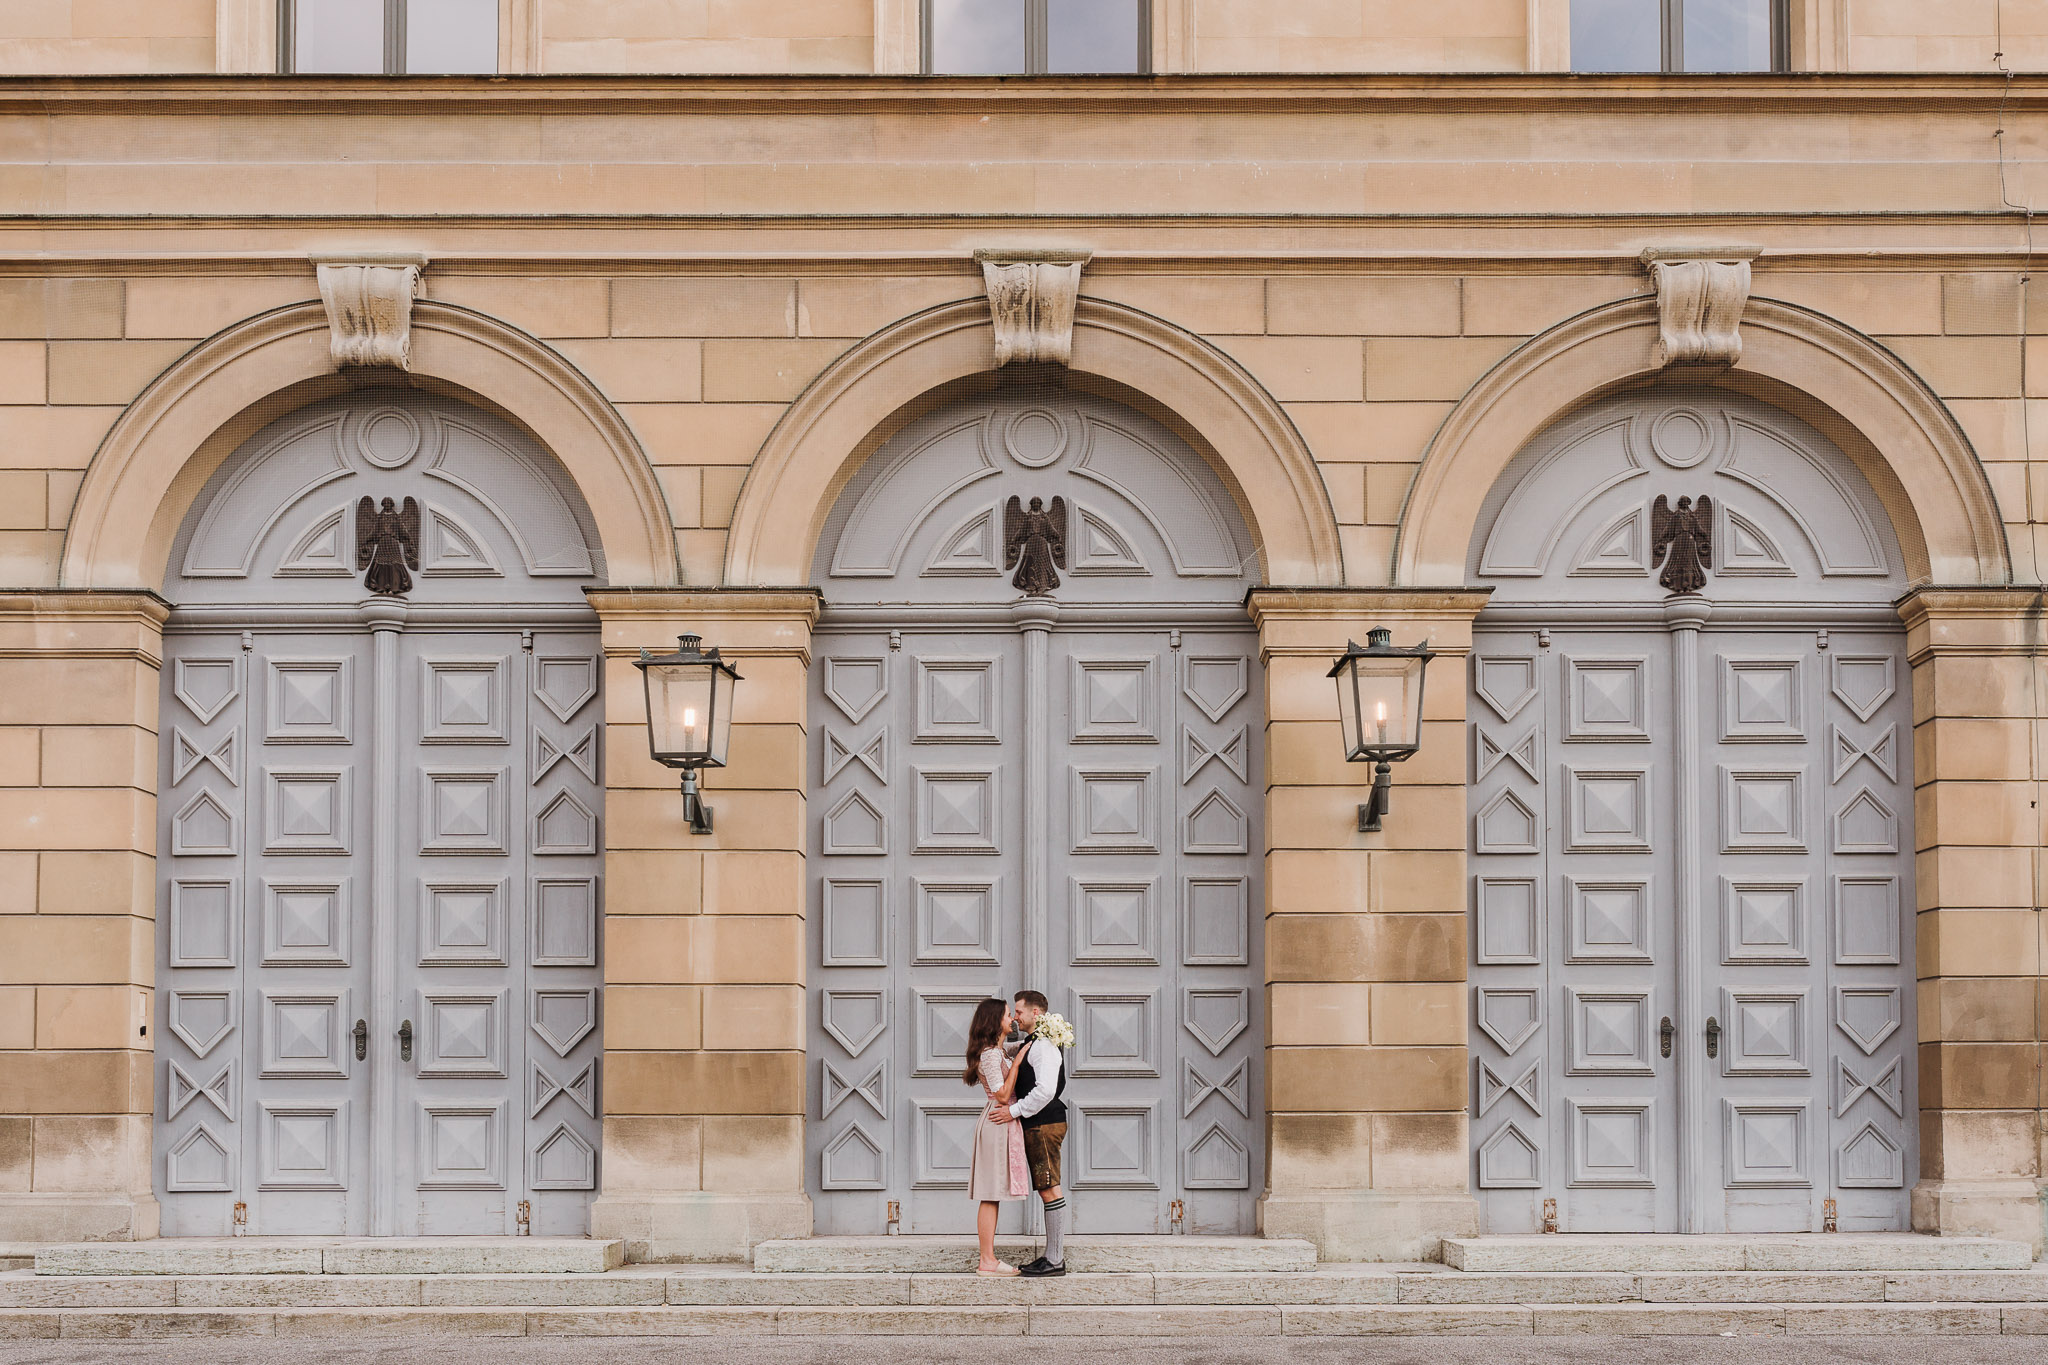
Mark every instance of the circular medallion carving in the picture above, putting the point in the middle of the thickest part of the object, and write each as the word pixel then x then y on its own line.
pixel 1681 437
pixel 1035 437
pixel 388 438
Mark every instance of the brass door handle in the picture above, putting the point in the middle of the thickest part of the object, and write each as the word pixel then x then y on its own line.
pixel 1713 1037
pixel 1665 1031
pixel 362 1036
pixel 405 1041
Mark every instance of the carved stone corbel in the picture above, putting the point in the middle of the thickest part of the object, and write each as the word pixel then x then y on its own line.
pixel 369 306
pixel 1701 294
pixel 1031 295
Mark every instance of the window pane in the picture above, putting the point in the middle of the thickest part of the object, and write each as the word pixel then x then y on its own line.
pixel 451 36
pixel 977 37
pixel 1727 35
pixel 338 36
pixel 1617 35
pixel 1092 35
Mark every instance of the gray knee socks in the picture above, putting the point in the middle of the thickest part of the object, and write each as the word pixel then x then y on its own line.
pixel 1055 1230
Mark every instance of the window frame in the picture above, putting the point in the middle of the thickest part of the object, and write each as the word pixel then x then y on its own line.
pixel 394 39
pixel 1671 42
pixel 1037 43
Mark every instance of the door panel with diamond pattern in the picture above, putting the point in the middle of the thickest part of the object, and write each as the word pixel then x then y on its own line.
pixel 387 815
pixel 1061 793
pixel 1691 807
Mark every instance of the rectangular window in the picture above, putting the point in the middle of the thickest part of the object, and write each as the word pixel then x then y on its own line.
pixel 1678 35
pixel 1036 37
pixel 388 37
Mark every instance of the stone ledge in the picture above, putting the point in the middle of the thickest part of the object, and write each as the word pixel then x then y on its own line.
pixel 190 1256
pixel 1637 1253
pixel 921 1254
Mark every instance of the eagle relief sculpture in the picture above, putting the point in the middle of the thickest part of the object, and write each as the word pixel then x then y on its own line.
pixel 387 544
pixel 1684 540
pixel 1035 544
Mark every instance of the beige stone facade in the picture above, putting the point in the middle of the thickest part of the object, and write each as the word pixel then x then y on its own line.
pixel 711 298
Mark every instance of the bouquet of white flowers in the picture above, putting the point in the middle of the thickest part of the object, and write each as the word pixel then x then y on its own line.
pixel 1055 1030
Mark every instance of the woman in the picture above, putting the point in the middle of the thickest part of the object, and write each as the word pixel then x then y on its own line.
pixel 997 1172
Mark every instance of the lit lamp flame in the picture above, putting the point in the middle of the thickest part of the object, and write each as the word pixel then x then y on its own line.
pixel 690 726
pixel 1381 718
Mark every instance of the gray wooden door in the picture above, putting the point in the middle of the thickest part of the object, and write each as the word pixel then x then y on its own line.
pixel 1061 792
pixel 378 817
pixel 1694 808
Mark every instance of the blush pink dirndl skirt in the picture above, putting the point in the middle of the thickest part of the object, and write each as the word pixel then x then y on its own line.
pixel 998 1171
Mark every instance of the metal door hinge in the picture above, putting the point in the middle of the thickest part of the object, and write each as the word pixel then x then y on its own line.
pixel 1827 1215
pixel 241 1219
pixel 895 640
pixel 1542 639
pixel 1177 1211
pixel 1820 639
pixel 1173 639
pixel 895 1218
pixel 1550 1215
pixel 526 1218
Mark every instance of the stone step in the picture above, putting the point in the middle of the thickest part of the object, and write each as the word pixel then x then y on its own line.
pixel 910 1255
pixel 1414 1285
pixel 334 1256
pixel 1783 1253
pixel 1190 1321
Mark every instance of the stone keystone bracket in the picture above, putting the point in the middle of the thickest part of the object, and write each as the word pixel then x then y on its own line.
pixel 1700 297
pixel 369 306
pixel 1031 295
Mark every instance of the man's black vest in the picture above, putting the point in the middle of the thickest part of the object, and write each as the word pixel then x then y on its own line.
pixel 1054 1111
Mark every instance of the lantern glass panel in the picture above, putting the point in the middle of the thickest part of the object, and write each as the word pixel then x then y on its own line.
pixel 1388 696
pixel 686 723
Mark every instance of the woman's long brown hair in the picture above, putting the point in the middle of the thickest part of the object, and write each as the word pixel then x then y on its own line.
pixel 984 1033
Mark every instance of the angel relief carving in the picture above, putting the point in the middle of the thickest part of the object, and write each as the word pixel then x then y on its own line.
pixel 1035 544
pixel 1683 538
pixel 387 545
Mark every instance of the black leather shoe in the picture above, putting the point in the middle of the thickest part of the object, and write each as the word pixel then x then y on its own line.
pixel 1035 1266
pixel 1041 1268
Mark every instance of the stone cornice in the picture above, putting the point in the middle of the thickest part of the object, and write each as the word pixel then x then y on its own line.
pixel 1317 93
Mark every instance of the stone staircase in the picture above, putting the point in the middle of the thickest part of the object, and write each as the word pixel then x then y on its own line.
pixel 1118 1286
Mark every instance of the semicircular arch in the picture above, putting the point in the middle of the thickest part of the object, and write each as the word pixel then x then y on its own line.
pixel 167 443
pixel 874 389
pixel 1903 438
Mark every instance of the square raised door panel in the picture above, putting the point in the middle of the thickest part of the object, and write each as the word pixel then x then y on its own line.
pixel 1764 1143
pixel 1763 812
pixel 1867 928
pixel 1608 921
pixel 1114 701
pixel 305 1034
pixel 306 810
pixel 306 923
pixel 462 700
pixel 1114 923
pixel 1762 701
pixel 1112 1146
pixel 956 921
pixel 942 1142
pixel 1766 1033
pixel 206 921
pixel 939 1023
pixel 307 701
pixel 462 923
pixel 1608 1032
pixel 958 810
pixel 461 1033
pixel 303 1146
pixel 564 911
pixel 1763 921
pixel 1115 810
pixel 462 1146
pixel 1612 1143
pixel 1608 810
pixel 854 922
pixel 958 701
pixel 1607 697
pixel 1115 1034
pixel 462 810
pixel 1215 922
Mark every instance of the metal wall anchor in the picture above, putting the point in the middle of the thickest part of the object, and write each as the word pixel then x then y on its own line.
pixel 526 1218
pixel 1176 1212
pixel 1550 1215
pixel 1827 1215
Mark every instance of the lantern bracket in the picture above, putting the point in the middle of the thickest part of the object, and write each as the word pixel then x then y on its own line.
pixel 1376 803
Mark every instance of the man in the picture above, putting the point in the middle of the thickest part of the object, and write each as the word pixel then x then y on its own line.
pixel 1041 1080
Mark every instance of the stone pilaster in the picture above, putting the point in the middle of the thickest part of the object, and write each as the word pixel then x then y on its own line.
pixel 1365 941
pixel 704 942
pixel 1979 742
pixel 78 772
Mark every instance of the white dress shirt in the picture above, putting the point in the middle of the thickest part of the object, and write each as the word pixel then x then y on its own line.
pixel 1044 1057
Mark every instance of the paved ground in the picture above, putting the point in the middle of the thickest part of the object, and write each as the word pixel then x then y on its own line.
pixel 1101 1351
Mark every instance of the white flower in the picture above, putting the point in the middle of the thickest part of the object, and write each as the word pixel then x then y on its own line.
pixel 1055 1030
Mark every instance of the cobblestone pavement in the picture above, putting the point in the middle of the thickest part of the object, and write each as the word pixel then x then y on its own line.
pixel 1100 1351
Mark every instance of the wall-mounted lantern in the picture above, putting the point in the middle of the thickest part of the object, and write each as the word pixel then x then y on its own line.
pixel 689 715
pixel 1379 698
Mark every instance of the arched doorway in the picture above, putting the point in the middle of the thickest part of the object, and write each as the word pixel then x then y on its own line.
pixel 1691 803
pixel 379 845
pixel 1059 790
